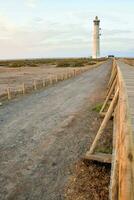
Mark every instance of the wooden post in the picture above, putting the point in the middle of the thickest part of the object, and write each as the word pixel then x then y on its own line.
pixel 74 72
pixel 8 93
pixel 35 85
pixel 105 121
pixel 23 88
pixel 56 78
pixel 50 80
pixel 44 83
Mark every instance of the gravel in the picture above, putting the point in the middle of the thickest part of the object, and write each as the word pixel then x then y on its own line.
pixel 35 150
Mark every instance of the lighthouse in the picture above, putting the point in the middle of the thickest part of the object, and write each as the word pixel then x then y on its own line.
pixel 96 38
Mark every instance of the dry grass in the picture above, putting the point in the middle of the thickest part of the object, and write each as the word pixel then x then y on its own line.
pixel 90 181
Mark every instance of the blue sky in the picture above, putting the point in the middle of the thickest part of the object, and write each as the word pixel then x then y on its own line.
pixel 63 28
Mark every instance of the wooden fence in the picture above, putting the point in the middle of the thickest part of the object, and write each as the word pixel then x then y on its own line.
pixel 25 88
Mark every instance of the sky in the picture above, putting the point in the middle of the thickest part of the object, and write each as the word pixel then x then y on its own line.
pixel 63 28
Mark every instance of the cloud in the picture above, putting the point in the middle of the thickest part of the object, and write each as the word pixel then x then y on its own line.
pixel 38 20
pixel 31 3
pixel 6 28
pixel 116 32
pixel 72 33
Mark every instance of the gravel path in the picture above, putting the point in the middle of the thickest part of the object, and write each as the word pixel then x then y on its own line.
pixel 33 158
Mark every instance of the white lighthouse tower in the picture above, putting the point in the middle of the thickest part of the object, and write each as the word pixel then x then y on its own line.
pixel 96 38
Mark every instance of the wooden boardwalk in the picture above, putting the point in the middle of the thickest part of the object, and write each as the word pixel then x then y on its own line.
pixel 123 159
pixel 128 77
pixel 119 103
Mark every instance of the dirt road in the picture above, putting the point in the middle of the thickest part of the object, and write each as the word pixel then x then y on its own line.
pixel 35 153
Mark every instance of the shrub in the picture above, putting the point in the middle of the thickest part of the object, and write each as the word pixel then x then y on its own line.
pixel 63 64
pixel 15 64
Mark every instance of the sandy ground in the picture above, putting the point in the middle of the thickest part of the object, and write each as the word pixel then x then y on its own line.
pixel 129 61
pixel 15 77
pixel 37 148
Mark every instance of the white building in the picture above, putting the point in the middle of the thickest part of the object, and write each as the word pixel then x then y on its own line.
pixel 96 38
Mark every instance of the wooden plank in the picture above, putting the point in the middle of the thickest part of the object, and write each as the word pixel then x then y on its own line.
pixel 99 157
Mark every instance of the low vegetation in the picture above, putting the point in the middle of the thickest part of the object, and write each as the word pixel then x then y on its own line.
pixel 105 149
pixel 66 62
pixel 75 63
pixel 98 107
